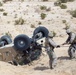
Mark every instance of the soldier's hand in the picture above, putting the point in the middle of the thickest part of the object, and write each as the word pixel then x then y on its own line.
pixel 63 43
pixel 58 46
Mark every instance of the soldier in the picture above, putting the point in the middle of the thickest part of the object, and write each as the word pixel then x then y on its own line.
pixel 50 45
pixel 72 41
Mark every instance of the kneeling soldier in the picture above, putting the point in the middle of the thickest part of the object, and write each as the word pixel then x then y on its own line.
pixel 72 41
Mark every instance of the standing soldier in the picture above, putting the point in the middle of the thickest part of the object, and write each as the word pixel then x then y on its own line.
pixel 50 45
pixel 72 41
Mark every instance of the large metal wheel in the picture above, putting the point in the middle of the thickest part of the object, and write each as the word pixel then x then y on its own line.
pixel 22 42
pixel 44 32
pixel 5 40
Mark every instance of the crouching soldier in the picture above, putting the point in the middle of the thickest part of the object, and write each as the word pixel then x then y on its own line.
pixel 72 41
pixel 50 45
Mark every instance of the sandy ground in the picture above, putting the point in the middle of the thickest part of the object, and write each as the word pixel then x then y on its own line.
pixel 30 12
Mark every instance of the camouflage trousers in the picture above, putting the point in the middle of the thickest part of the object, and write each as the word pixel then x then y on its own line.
pixel 52 58
pixel 72 51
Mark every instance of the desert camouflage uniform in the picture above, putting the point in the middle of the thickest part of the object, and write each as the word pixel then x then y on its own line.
pixel 50 45
pixel 71 40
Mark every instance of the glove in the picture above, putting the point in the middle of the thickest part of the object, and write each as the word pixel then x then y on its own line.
pixel 58 46
pixel 64 43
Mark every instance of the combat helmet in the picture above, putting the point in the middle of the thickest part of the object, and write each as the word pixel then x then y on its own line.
pixel 68 31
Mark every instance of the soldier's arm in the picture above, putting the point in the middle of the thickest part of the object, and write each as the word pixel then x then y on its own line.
pixel 52 43
pixel 72 38
pixel 67 41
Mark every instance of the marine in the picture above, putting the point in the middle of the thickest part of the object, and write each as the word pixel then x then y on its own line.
pixel 50 45
pixel 72 41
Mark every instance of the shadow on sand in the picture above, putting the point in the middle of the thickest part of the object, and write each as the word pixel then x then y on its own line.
pixel 63 58
pixel 41 68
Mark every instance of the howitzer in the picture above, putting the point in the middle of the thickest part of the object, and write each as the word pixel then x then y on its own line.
pixel 24 49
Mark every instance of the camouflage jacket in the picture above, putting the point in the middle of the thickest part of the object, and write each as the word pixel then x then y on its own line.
pixel 50 43
pixel 71 39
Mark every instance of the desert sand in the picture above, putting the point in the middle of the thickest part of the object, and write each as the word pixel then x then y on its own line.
pixel 30 12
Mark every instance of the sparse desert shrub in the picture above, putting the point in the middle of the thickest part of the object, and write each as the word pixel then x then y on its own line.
pixel 1 4
pixel 20 21
pixel 43 15
pixel 73 13
pixel 63 6
pixel 43 7
pixel 6 1
pixel 71 0
pixel 15 16
pixel 57 3
pixel 32 26
pixel 16 22
pixel 48 9
pixel 66 26
pixel 5 14
pixel 39 23
pixel 1 10
pixel 22 0
pixel 63 1
pixel 8 33
pixel 8 22
pixel 64 21
pixel 45 0
pixel 54 33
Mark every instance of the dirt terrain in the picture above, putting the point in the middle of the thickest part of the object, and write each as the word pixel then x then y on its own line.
pixel 29 12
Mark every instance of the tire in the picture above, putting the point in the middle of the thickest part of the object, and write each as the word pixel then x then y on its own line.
pixel 6 39
pixel 22 42
pixel 43 30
